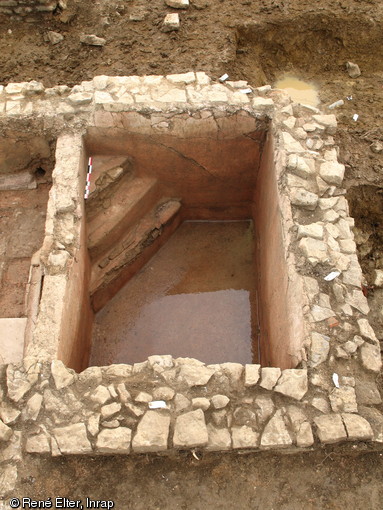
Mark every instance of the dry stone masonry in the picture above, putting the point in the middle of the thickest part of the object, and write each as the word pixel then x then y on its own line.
pixel 22 8
pixel 165 404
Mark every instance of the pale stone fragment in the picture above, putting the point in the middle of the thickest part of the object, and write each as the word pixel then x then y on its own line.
pixel 357 427
pixel 263 91
pixel 91 376
pixel 234 371
pixel 152 432
pixel 195 375
pixel 202 78
pixel 330 428
pixel 135 410
pixel 353 70
pixel 93 424
pixel 177 4
pixel 173 96
pixel 304 435
pixel 101 97
pixel 358 301
pixel 201 403
pixel 310 127
pixel 350 347
pixel 100 82
pixel 320 347
pixel 181 403
pixel 5 432
pixel 15 88
pixel 301 427
pixel 190 430
pixel 244 437
pixel 328 121
pixel 314 230
pixel 33 407
pixel 302 198
pixel 220 401
pixel 80 98
pixel 100 395
pixel 321 404
pixel 311 286
pixel 300 167
pixel 163 393
pixel 61 375
pixel 13 449
pixel 123 393
pixel 378 278
pixel 38 444
pixel 252 374
pixel 269 377
pixel 275 433
pixel 54 37
pixel 117 371
pixel 18 383
pixel 165 361
pixel 347 246
pixel 239 98
pixel 289 123
pixel 8 479
pixel 143 397
pixel 219 418
pixel 114 440
pixel 332 172
pixel 263 104
pixel 263 407
pixel 370 357
pixel 92 40
pixel 320 313
pixel 8 413
pixel 181 78
pixel 367 393
pixel 293 383
pixel 171 22
pixel 366 330
pixel 110 409
pixel 289 143
pixel 72 439
pixel 330 216
pixel 343 400
pixel 33 87
pixel 375 419
pixel 218 438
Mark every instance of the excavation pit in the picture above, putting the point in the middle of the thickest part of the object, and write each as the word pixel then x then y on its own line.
pixel 195 298
pixel 173 155
pixel 206 168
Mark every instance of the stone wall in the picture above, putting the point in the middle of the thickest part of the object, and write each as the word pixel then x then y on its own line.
pixel 332 396
pixel 29 7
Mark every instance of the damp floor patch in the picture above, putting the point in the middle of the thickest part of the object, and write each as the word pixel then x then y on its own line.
pixel 195 298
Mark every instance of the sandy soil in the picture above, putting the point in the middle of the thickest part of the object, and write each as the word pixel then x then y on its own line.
pixel 258 40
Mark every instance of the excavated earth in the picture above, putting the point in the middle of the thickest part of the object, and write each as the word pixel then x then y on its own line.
pixel 260 41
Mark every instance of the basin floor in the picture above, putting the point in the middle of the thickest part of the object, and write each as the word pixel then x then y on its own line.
pixel 195 298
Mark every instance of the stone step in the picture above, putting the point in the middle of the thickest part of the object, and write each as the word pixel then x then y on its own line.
pixel 132 199
pixel 110 273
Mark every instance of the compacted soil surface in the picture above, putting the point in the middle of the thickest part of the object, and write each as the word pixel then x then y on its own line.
pixel 326 479
pixel 260 41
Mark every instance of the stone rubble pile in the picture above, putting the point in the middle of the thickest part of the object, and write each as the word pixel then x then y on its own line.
pixel 49 409
pixel 27 7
